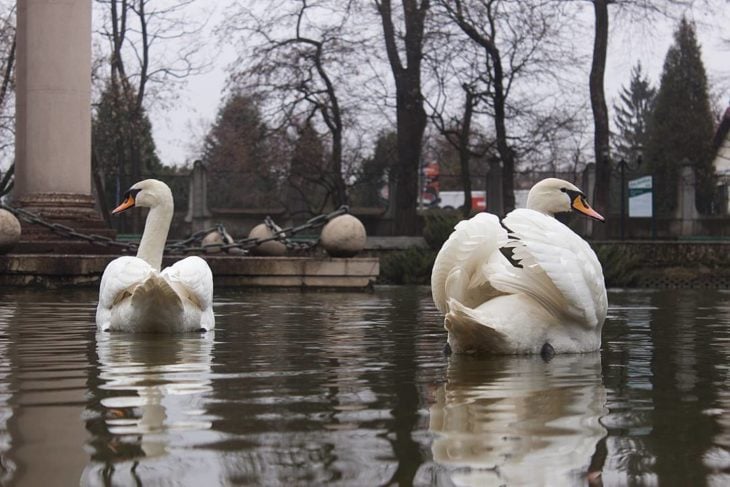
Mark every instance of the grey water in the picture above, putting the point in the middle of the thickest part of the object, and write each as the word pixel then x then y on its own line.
pixel 314 388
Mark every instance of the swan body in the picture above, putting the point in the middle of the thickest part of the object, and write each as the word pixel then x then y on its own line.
pixel 522 284
pixel 136 296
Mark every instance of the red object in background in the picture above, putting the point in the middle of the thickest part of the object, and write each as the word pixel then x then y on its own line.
pixel 479 203
pixel 431 176
pixel 431 186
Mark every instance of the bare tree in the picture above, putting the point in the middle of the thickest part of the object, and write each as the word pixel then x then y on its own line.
pixel 295 55
pixel 458 133
pixel 637 9
pixel 139 35
pixel 151 45
pixel 410 113
pixel 601 129
pixel 518 41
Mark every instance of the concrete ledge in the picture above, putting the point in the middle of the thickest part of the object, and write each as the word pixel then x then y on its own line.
pixel 53 270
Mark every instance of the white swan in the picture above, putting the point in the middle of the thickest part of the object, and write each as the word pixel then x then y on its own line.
pixel 135 296
pixel 527 284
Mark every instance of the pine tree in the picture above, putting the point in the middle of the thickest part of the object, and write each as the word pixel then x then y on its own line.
pixel 236 155
pixel 681 125
pixel 310 187
pixel 373 173
pixel 120 132
pixel 632 116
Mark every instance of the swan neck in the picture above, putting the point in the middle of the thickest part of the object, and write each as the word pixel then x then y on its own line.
pixel 154 237
pixel 534 204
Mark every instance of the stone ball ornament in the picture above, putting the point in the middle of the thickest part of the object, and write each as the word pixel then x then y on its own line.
pixel 343 236
pixel 9 231
pixel 219 236
pixel 272 248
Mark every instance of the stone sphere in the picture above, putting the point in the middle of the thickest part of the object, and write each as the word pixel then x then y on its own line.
pixel 9 231
pixel 270 248
pixel 214 237
pixel 343 236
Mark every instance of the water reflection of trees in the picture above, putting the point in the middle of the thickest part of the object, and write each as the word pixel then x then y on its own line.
pixel 327 388
pixel 665 382
pixel 518 420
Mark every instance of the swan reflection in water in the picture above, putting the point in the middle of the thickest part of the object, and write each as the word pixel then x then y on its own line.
pixel 149 388
pixel 519 420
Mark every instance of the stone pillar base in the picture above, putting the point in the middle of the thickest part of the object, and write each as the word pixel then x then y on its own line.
pixel 76 211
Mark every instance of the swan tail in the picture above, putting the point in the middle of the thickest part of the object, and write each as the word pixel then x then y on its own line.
pixel 156 305
pixel 469 334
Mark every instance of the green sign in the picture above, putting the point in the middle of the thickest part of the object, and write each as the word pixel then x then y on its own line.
pixel 640 197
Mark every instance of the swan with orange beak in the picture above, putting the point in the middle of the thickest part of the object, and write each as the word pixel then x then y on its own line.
pixel 524 284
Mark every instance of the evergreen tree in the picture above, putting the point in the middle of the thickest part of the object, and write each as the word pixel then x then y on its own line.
pixel 632 116
pixel 310 188
pixel 120 133
pixel 372 175
pixel 236 154
pixel 681 125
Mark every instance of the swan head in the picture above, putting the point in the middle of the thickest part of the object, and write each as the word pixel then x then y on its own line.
pixel 149 193
pixel 554 195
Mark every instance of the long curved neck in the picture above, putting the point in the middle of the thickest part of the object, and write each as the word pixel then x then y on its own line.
pixel 154 236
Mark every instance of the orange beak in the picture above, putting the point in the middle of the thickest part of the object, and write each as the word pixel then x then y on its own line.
pixel 581 205
pixel 124 205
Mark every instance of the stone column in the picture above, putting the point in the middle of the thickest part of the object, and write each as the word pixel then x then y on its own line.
pixel 198 214
pixel 686 211
pixel 53 111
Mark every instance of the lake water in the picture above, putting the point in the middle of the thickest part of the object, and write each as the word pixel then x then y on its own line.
pixel 353 389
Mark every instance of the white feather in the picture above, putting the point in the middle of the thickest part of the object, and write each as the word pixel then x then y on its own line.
pixel 550 290
pixel 457 268
pixel 135 296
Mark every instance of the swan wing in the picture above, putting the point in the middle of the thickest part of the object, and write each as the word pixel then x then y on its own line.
pixel 118 282
pixel 192 279
pixel 553 265
pixel 458 271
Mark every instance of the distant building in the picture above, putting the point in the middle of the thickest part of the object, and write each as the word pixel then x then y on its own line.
pixel 721 146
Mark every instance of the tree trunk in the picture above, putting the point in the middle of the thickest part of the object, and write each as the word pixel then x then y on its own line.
pixel 410 114
pixel 600 114
pixel 506 154
pixel 465 152
pixel 498 96
pixel 340 191
pixel 411 121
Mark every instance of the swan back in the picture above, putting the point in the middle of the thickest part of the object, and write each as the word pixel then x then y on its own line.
pixel 554 266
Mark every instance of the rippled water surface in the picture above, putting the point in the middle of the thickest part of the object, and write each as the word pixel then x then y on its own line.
pixel 353 389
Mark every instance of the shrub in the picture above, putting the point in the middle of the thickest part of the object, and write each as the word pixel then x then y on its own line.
pixel 438 226
pixel 411 266
pixel 620 265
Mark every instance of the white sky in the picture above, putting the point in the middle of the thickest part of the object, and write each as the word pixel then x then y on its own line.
pixel 179 131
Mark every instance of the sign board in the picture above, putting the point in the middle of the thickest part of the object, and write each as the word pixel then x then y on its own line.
pixel 640 197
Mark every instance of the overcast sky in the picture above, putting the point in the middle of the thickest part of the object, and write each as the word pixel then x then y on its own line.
pixel 178 131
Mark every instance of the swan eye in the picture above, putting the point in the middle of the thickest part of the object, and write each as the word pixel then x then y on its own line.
pixel 127 201
pixel 564 190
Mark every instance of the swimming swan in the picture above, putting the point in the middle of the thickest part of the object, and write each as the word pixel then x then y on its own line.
pixel 526 284
pixel 135 296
